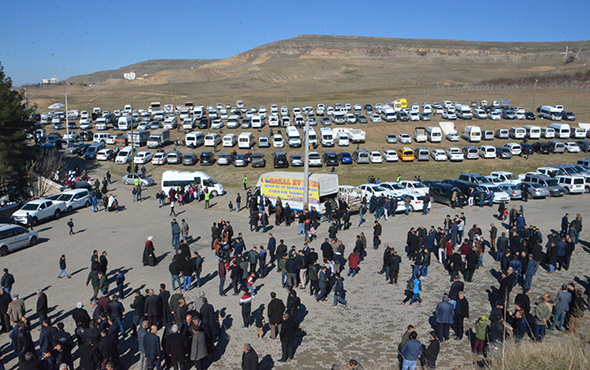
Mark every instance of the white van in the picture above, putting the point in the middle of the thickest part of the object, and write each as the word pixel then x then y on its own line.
pixel 472 134
pixel 547 132
pixel 171 123
pixel 343 138
pixel 176 179
pixel 562 130
pixel 101 124
pixel 579 132
pixel 125 123
pixel 572 184
pixel 74 199
pixel 13 237
pixel 230 140
pixel 257 121
pixel 517 132
pixel 245 140
pixel 312 137
pixel 533 132
pixel 194 139
pixel 434 134
pixel 212 139
pixel 293 137
pixel 125 155
pixel 327 137
pixel 100 137
pixel 552 113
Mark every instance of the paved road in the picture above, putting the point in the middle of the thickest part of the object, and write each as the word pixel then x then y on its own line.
pixel 368 330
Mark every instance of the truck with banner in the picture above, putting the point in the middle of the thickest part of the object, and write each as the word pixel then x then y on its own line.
pixel 289 187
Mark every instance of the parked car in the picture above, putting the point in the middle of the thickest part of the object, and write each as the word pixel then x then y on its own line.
pixel 453 137
pixel 189 159
pixel 542 147
pixel 240 160
pixel 159 158
pixel 405 139
pixel 224 159
pixel 143 157
pixel 258 160
pixel 345 158
pixel 438 155
pixel 207 158
pixel 390 156
pixel 39 210
pixel 375 157
pixel 503 152
pixel 296 160
pixel 455 154
pixel 571 147
pixel 391 139
pixel 443 193
pixel 14 237
pixel 330 159
pixel 105 155
pixel 130 178
pixel 514 191
pixel 536 190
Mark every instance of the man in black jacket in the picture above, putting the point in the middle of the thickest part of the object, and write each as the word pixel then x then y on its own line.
pixel 281 251
pixel 461 313
pixel 208 316
pixel 472 259
pixel 165 298
pixel 271 247
pixel 327 250
pixel 376 234
pixel 275 311
pixel 288 330
pixel 80 315
pixel 5 300
pixel 42 307
pixel 176 347
pixel 392 266
pixel 153 308
pixel 249 358
pixel 139 310
pixel 431 352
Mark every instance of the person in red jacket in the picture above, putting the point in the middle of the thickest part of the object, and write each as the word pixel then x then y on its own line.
pixel 353 264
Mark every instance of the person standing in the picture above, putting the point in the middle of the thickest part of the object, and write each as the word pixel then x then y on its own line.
pixel 5 300
pixel 120 282
pixel 71 226
pixel 172 205
pixel 376 235
pixel 175 231
pixel 207 197
pixel 481 334
pixel 431 352
pixel 62 267
pixel 562 306
pixel 411 352
pixel 288 331
pixel 246 303
pixel 276 308
pixel 493 235
pixel 151 346
pixel 541 313
pixel 198 351
pixel 42 306
pixel 415 289
pixel 461 313
pixel 184 230
pixel 249 358
pixel 138 306
pixel 222 273
pixel 444 318
pixel 245 182
pixel 271 247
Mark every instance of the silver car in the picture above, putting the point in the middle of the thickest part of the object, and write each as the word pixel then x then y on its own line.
pixel 536 190
pixel 514 191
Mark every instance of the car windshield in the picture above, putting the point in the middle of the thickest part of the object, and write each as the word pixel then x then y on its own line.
pixel 418 185
pixel 209 182
pixel 396 186
pixel 551 182
pixel 64 197
pixel 378 188
pixel 30 207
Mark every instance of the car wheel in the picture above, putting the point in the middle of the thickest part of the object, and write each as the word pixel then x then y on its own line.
pixel 33 241
pixel 412 209
pixel 567 190
pixel 87 204
pixel 57 214
pixel 69 210
pixel 587 189
pixel 4 251
pixel 214 193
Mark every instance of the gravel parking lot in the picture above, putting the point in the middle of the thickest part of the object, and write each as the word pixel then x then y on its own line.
pixel 368 330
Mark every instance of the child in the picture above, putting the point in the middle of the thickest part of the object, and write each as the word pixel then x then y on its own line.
pixel 71 226
pixel 250 283
pixel 259 323
pixel 231 206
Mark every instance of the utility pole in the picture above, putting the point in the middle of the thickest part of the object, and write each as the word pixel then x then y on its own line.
pixel 306 167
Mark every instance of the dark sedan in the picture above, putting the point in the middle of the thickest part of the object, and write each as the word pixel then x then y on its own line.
pixel 189 159
pixel 503 153
pixel 207 159
pixel 330 159
pixel 526 149
pixel 542 147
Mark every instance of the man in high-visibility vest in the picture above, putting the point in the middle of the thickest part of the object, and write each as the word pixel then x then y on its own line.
pixel 207 197
pixel 245 181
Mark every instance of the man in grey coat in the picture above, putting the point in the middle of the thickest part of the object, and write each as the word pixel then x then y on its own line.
pixel 151 346
pixel 198 348
pixel 444 318
pixel 562 306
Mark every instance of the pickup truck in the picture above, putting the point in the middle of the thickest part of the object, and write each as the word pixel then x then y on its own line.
pixel 420 135
pixel 38 210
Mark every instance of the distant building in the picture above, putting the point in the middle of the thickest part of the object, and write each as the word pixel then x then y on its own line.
pixel 47 81
pixel 129 75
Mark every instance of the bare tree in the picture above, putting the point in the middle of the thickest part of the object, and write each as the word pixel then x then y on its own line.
pixel 43 168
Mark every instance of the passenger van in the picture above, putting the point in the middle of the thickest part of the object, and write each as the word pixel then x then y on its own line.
pixel 176 179
pixel 361 156
pixel 579 132
pixel 547 132
pixel 312 137
pixel 326 137
pixel 533 132
pixel 13 237
pixel 406 154
pixel 557 146
pixel 257 121
pixel 293 137
pixel 100 137
pixel 245 140
pixel 434 134
pixel 422 154
pixel 472 134
pixel 194 139
pixel 551 113
pixel 487 151
pixel 230 140
pixel 502 133
pixel 517 133
pixel 212 139
pixel 562 130
pixel 555 189
pixel 572 184
pixel 74 199
pixel 125 123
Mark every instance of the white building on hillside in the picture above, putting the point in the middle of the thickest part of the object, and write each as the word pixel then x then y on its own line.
pixel 129 75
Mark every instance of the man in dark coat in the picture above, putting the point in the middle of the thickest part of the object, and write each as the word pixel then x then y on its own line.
pixel 153 307
pixel 288 330
pixel 249 358
pixel 89 356
pixel 327 250
pixel 444 318
pixel 106 347
pixel 208 316
pixel 80 315
pixel 42 307
pixel 5 300
pixel 276 309
pixel 461 313
pixel 505 287
pixel 176 347
pixel 48 331
pixel 472 259
pixel 151 346
pixel 64 340
pixel 431 352
pixel 271 247
pixel 138 306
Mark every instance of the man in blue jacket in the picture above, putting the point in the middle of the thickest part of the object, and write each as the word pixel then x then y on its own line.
pixel 411 352
pixel 444 318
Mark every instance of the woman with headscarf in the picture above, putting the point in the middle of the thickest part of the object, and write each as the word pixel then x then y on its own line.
pixel 149 257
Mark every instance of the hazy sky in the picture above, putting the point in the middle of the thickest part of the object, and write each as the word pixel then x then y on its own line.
pixel 43 38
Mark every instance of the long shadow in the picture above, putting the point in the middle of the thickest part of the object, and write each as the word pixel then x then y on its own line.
pixel 299 335
pixel 44 229
pixel 162 257
pixel 266 363
pixel 257 288
pixel 211 205
pixel 432 321
pixel 208 277
pixel 35 293
pixel 80 231
pixel 496 274
pixel 78 271
pixel 301 314
pixel 492 296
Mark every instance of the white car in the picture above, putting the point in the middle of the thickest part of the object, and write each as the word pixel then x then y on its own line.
pixel 142 157
pixel 39 209
pixel 13 237
pixel 416 202
pixel 495 116
pixel 375 157
pixel 74 199
pixel 278 141
pixel 415 186
pixel 111 139
pixel 487 151
pixel 449 115
pixel 375 118
pixel 390 156
pixel 315 159
pixel 438 155
pixel 571 147
pixel 515 148
pixel 159 158
pixel 479 113
pixel 414 115
pixel 404 138
pixel 142 126
pixel 85 124
pixel 71 135
pixel 453 137
pixel 455 154
pixel 217 124
pixel 105 155
pixel 350 118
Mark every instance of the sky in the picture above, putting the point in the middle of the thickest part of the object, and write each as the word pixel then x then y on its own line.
pixel 41 39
